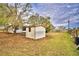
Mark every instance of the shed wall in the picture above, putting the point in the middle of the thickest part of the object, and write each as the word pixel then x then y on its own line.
pixel 36 32
pixel 30 34
pixel 40 32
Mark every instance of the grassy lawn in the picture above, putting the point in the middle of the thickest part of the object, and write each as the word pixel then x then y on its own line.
pixel 55 44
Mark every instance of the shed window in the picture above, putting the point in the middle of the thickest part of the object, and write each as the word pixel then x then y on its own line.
pixel 29 29
pixel 24 28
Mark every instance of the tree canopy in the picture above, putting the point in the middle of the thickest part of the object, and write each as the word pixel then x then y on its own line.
pixel 37 20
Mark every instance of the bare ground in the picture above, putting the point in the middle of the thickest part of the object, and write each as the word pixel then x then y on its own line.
pixel 52 44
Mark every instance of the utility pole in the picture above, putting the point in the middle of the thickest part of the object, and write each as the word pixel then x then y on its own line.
pixel 76 32
pixel 68 25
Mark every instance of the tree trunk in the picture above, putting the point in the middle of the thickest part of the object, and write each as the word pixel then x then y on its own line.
pixel 15 28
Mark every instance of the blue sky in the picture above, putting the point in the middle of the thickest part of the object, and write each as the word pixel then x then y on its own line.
pixel 60 13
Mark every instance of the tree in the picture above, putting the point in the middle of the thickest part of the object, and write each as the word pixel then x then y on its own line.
pixel 12 15
pixel 4 12
pixel 33 20
pixel 36 20
pixel 47 24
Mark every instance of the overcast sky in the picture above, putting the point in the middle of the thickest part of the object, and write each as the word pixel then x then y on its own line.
pixel 59 13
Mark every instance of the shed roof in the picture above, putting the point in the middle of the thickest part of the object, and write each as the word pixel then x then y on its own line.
pixel 29 25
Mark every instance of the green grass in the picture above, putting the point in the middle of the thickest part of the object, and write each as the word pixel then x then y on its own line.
pixel 55 44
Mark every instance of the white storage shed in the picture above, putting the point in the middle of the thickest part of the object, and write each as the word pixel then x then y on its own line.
pixel 35 32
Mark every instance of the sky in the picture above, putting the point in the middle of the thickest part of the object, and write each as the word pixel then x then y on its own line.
pixel 60 13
